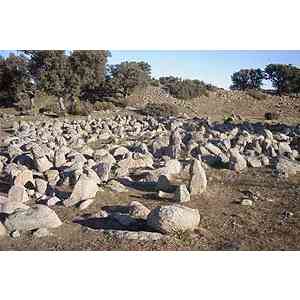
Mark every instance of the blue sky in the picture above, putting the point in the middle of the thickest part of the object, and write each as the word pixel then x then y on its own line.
pixel 213 67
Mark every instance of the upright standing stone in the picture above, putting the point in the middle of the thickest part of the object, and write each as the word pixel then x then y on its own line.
pixel 175 144
pixel 198 181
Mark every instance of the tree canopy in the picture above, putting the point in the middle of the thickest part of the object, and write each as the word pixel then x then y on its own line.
pixel 247 79
pixel 126 76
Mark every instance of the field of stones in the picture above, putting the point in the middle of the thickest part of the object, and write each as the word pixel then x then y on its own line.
pixel 126 181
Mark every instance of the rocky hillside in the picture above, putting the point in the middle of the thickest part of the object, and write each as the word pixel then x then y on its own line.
pixel 222 103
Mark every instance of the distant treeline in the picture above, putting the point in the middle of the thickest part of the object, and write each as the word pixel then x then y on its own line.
pixel 86 75
pixel 285 78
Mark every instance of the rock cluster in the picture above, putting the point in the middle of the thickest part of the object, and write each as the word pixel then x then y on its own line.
pixel 84 156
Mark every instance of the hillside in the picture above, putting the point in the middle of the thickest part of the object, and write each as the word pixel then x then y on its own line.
pixel 221 103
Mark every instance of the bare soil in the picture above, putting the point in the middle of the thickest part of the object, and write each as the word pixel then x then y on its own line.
pixel 273 223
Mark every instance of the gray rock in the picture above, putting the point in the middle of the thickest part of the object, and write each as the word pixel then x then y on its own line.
pixel 164 184
pixel 198 181
pixel 59 159
pixel 41 232
pixel 287 166
pixel 164 195
pixel 38 216
pixel 173 166
pixel 3 231
pixel 43 164
pixel 182 194
pixel 86 188
pixel 135 235
pixel 18 193
pixel 284 148
pixel 11 206
pixel 254 162
pixel 15 234
pixel 173 218
pixel 138 210
pixel 86 203
pixel 247 202
pixel 123 219
pixel 52 201
pixel 116 186
pixel 24 177
pixel 103 171
pixel 52 177
pixel 237 162
pixel 41 185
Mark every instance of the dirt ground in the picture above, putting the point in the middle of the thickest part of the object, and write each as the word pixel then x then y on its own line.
pixel 272 223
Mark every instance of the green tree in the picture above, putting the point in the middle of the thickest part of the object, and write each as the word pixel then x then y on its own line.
pixel 50 70
pixel 15 80
pixel 88 69
pixel 285 78
pixel 247 79
pixel 126 76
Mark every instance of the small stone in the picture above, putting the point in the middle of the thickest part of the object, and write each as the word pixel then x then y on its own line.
pixel 164 184
pixel 135 235
pixel 41 185
pixel 18 193
pixel 182 194
pixel 247 202
pixel 164 195
pixel 116 186
pixel 43 164
pixel 237 162
pixel 3 231
pixel 52 176
pixel 101 214
pixel 52 201
pixel 85 204
pixel 15 234
pixel 41 232
pixel 138 210
pixel 24 177
pixel 86 188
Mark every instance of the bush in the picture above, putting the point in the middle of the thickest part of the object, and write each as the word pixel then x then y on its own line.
pixel 79 108
pixel 272 115
pixel 256 94
pixel 103 105
pixel 123 103
pixel 184 89
pixel 160 110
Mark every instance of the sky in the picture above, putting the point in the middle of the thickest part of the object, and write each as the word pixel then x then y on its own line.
pixel 213 67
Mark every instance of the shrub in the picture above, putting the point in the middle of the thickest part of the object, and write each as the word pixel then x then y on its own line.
pixel 79 108
pixel 184 89
pixel 103 105
pixel 123 103
pixel 256 94
pixel 272 115
pixel 160 110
